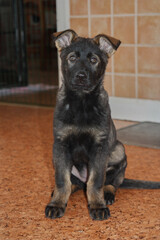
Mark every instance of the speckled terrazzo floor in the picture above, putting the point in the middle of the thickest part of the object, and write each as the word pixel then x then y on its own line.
pixel 27 179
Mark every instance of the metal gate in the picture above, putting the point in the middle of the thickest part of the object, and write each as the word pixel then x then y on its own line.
pixel 28 64
pixel 13 63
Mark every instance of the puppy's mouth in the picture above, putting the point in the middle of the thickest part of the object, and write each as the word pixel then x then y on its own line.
pixel 81 87
pixel 81 81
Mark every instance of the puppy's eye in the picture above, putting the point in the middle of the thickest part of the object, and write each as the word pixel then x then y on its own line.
pixel 72 58
pixel 93 60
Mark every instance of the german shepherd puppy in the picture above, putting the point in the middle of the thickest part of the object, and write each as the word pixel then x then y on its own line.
pixel 85 142
pixel 86 152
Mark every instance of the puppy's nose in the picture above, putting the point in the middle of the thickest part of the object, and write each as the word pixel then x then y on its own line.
pixel 81 77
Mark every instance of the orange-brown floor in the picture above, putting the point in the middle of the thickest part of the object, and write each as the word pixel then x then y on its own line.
pixel 27 179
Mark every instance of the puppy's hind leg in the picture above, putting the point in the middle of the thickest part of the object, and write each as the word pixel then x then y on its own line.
pixel 109 194
pixel 115 172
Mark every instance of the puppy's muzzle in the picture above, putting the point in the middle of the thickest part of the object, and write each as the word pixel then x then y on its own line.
pixel 81 79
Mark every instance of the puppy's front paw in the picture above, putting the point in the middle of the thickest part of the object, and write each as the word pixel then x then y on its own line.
pixel 54 212
pixel 99 213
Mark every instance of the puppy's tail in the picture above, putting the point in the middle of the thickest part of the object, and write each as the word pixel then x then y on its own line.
pixel 139 184
pixel 127 184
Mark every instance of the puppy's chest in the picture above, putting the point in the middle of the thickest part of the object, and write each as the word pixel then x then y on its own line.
pixel 82 115
pixel 82 125
pixel 74 134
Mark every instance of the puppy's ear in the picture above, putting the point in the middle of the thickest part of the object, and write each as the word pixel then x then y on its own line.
pixel 107 44
pixel 64 39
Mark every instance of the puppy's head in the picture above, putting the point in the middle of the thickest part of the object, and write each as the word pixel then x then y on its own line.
pixel 84 59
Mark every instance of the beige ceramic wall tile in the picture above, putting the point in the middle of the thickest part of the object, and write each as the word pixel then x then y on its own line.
pixel 149 29
pixel 124 60
pixel 149 88
pixel 124 29
pixel 100 6
pixel 124 86
pixel 148 6
pixel 149 60
pixel 80 26
pixel 78 7
pixel 100 25
pixel 123 6
pixel 108 84
pixel 109 65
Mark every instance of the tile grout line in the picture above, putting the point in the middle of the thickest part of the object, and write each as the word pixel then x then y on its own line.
pixel 116 15
pixel 112 59
pixel 136 49
pixel 139 45
pixel 133 74
pixel 89 18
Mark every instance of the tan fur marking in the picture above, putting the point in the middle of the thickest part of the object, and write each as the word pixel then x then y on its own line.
pixel 95 197
pixel 64 132
pixel 61 196
pixel 117 154
pixel 120 179
pixel 109 188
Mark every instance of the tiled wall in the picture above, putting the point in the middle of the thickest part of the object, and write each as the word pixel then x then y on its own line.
pixel 134 71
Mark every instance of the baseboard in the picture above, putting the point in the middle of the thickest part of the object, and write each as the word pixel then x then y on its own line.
pixel 135 109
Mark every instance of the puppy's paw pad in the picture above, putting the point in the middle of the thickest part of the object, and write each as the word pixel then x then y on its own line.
pixel 54 212
pixel 99 214
pixel 109 198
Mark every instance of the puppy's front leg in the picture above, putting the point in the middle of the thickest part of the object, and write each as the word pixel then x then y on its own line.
pixel 62 191
pixel 95 193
